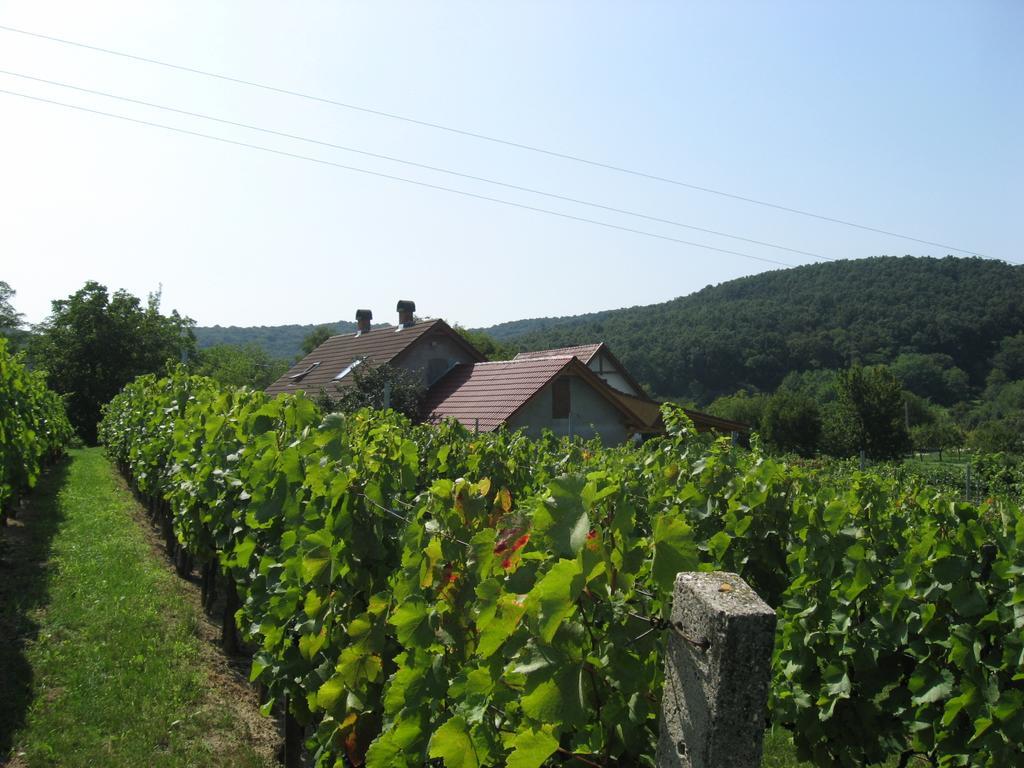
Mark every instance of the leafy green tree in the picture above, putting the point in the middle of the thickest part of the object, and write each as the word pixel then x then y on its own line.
pixel 868 414
pixel 9 319
pixel 932 376
pixel 1010 357
pixel 1001 399
pixel 937 435
pixel 94 343
pixel 742 406
pixel 385 386
pixel 791 422
pixel 488 346
pixel 315 338
pixel 239 365
pixel 999 435
pixel 819 384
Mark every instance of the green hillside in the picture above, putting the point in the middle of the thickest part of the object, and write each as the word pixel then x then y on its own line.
pixel 279 341
pixel 752 331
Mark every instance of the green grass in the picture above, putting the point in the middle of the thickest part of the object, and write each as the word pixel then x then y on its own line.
pixel 779 751
pixel 98 642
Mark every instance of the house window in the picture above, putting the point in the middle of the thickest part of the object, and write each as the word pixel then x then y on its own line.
pixel 561 399
pixel 348 369
pixel 298 376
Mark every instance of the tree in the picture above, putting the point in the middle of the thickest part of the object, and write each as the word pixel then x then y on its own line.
pixel 315 338
pixel 932 376
pixel 742 406
pixel 791 422
pixel 868 414
pixel 936 435
pixel 999 435
pixel 93 344
pixel 9 319
pixel 238 365
pixel 487 345
pixel 385 386
pixel 1010 357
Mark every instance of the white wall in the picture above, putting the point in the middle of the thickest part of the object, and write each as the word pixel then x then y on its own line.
pixel 434 347
pixel 603 367
pixel 592 415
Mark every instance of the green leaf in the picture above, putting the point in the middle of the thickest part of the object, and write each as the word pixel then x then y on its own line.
pixel 553 598
pixel 310 644
pixel 717 545
pixel 674 549
pixel 329 693
pixel 498 629
pixel 956 704
pixel 531 747
pixel 544 703
pixel 563 517
pixel 410 622
pixel 313 563
pixel 558 699
pixel 930 685
pixel 357 665
pixel 862 579
pixel 453 744
pixel 396 746
pixel 968 599
pixel 1009 705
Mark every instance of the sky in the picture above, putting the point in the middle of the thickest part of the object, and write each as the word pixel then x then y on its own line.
pixel 905 117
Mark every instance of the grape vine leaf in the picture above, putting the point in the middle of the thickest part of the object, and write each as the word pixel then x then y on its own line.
pixel 553 598
pixel 531 748
pixel 453 744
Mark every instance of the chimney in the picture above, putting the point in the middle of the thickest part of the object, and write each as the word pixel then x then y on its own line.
pixel 405 311
pixel 363 318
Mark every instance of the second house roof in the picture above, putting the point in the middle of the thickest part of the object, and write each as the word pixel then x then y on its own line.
pixel 487 395
pixel 319 369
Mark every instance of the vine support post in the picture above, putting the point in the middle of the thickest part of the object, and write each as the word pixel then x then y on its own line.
pixel 228 631
pixel 717 671
pixel 294 738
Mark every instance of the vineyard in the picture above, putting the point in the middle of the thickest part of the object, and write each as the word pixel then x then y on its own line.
pixel 33 429
pixel 414 593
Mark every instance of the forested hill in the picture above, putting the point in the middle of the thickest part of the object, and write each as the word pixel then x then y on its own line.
pixel 750 332
pixel 279 341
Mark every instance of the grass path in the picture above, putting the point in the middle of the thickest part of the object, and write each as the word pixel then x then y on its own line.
pixel 105 656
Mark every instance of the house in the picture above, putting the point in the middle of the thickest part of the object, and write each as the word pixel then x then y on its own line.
pixel 646 412
pixel 599 358
pixel 558 392
pixel 582 391
pixel 429 347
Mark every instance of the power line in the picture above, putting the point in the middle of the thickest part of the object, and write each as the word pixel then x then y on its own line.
pixel 391 158
pixel 402 179
pixel 485 137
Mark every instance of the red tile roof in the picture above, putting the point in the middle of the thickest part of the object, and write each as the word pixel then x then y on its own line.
pixel 375 347
pixel 584 352
pixel 705 421
pixel 486 395
pixel 648 413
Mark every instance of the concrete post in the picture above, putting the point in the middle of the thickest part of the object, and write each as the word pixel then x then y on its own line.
pixel 717 670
